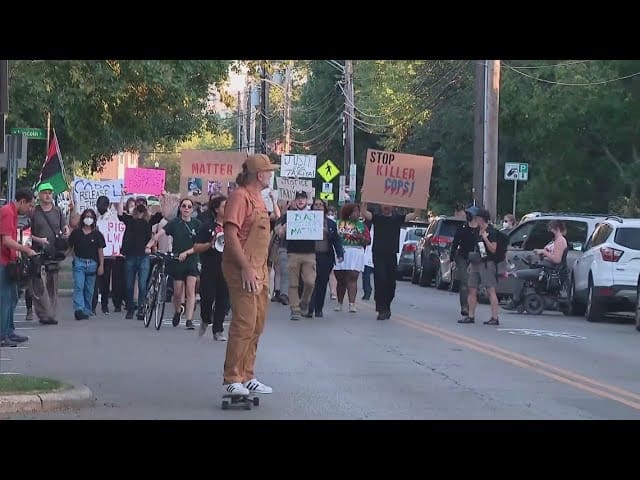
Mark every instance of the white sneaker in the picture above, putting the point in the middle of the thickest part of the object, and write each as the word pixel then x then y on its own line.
pixel 338 307
pixel 236 389
pixel 352 308
pixel 258 387
pixel 220 336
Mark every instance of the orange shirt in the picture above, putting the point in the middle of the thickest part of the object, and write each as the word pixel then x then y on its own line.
pixel 239 210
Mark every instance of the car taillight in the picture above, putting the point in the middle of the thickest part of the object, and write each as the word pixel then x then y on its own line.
pixel 441 241
pixel 410 247
pixel 610 254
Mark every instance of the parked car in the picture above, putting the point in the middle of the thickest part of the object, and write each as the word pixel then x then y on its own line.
pixel 409 240
pixel 533 233
pixel 605 277
pixel 638 305
pixel 431 257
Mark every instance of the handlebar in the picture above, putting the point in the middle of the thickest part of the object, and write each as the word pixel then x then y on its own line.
pixel 164 256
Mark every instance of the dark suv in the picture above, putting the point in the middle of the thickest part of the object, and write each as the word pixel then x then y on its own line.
pixel 431 258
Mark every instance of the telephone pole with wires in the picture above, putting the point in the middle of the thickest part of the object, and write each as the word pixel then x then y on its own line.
pixel 349 164
pixel 287 108
pixel 263 108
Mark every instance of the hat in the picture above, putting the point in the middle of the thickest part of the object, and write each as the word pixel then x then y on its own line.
pixel 301 194
pixel 482 213
pixel 259 162
pixel 472 210
pixel 45 186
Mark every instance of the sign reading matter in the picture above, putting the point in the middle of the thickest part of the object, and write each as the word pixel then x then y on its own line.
pixel 397 179
pixel 305 225
pixel 87 191
pixel 205 172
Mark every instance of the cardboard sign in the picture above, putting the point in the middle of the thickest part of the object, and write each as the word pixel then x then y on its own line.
pixel 207 172
pixel 144 180
pixel 298 166
pixel 267 199
pixel 397 179
pixel 287 188
pixel 305 225
pixel 86 192
pixel 113 231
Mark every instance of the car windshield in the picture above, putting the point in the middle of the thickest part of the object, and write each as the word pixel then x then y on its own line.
pixel 628 237
pixel 413 234
pixel 448 228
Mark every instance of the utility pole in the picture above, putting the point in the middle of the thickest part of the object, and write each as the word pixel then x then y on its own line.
pixel 287 108
pixel 491 103
pixel 239 119
pixel 478 134
pixel 4 100
pixel 348 113
pixel 263 108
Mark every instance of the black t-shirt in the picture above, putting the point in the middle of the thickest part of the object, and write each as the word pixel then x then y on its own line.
pixel 464 241
pixel 492 238
pixel 211 259
pixel 386 233
pixel 298 246
pixel 86 245
pixel 137 234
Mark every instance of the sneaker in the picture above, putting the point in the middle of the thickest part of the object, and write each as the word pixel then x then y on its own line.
pixel 284 299
pixel 334 297
pixel 29 316
pixel 236 389
pixel 129 315
pixel 176 319
pixel 366 297
pixel 338 307
pixel 5 342
pixel 189 325
pixel 203 328
pixel 48 321
pixel 14 337
pixel 276 296
pixel 80 315
pixel 258 387
pixel 105 310
pixel 295 316
pixel 219 336
pixel 318 314
pixel 352 308
pixel 117 310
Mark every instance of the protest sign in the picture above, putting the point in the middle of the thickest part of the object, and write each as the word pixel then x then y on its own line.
pixel 144 180
pixel 113 231
pixel 207 172
pixel 300 166
pixel 305 225
pixel 87 191
pixel 397 179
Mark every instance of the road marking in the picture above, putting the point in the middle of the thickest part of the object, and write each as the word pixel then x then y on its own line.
pixel 564 376
pixel 24 328
pixel 4 359
pixel 540 333
pixel 10 373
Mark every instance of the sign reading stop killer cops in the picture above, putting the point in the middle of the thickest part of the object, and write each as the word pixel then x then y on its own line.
pixel 397 179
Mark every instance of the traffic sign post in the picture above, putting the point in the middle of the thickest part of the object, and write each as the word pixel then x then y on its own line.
pixel 516 172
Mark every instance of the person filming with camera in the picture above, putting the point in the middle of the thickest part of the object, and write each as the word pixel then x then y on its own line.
pixel 50 231
pixel 9 248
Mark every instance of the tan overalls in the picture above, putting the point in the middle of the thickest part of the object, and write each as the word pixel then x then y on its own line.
pixel 248 310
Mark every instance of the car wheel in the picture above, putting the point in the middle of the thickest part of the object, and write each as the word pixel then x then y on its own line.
pixel 638 306
pixel 414 275
pixel 595 308
pixel 440 284
pixel 573 306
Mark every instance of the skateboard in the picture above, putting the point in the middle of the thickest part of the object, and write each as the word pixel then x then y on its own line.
pixel 245 402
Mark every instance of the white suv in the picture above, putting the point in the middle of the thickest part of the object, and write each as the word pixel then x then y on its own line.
pixel 605 277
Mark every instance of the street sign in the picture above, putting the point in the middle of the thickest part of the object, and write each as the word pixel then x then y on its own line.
pixel 328 171
pixel 31 133
pixel 327 196
pixel 327 187
pixel 511 171
pixel 523 172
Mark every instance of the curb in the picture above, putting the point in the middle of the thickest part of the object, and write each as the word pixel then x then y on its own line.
pixel 75 397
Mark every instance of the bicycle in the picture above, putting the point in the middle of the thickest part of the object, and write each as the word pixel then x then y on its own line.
pixel 157 291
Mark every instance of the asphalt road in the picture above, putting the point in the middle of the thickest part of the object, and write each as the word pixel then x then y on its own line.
pixel 419 365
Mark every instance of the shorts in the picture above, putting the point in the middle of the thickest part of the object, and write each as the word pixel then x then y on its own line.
pixel 181 274
pixel 483 274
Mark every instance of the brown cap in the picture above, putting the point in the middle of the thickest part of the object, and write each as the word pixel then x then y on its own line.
pixel 258 163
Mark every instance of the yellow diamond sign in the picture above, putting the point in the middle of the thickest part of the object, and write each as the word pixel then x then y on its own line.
pixel 328 171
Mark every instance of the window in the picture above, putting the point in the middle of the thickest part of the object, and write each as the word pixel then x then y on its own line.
pixel 628 237
pixel 576 234
pixel 518 236
pixel 448 228
pixel 539 236
pixel 600 235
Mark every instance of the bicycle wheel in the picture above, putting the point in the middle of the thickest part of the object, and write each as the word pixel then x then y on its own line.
pixel 161 297
pixel 150 304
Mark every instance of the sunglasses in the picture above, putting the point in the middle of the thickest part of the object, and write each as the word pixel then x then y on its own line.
pixel 188 207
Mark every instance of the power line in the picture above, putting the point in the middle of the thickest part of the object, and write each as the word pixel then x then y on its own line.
pixel 576 62
pixel 568 84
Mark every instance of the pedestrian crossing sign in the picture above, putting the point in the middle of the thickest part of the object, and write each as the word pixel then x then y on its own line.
pixel 328 171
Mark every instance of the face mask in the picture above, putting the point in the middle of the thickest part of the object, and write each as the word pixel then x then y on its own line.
pixel 141 208
pixel 131 210
pixel 88 221
pixel 331 216
pixel 505 224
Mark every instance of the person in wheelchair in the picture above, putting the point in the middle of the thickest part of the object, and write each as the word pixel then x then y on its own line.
pixel 552 258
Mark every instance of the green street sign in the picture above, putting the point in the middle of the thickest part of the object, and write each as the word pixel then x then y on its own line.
pixel 31 133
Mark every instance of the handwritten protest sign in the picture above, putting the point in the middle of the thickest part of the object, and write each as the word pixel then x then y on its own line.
pixel 287 188
pixel 87 191
pixel 204 171
pixel 267 199
pixel 397 179
pixel 113 231
pixel 144 180
pixel 301 166
pixel 305 225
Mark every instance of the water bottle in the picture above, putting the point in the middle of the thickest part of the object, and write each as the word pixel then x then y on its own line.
pixel 482 249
